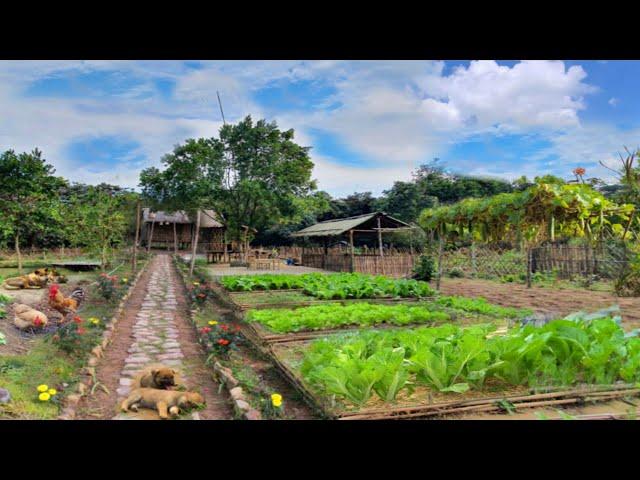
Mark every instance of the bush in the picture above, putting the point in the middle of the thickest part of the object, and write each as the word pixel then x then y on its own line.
pixel 424 269
pixel 199 292
pixel 72 337
pixel 456 273
pixel 219 339
pixel 107 286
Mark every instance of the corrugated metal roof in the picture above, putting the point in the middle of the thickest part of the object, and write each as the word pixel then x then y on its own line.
pixel 208 219
pixel 342 225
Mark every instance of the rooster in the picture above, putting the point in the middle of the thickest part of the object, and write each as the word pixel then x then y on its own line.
pixel 63 304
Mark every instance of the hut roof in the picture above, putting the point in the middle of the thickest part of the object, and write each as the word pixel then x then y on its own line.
pixel 208 219
pixel 342 225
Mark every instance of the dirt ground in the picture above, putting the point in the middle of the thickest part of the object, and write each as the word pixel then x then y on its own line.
pixel 543 299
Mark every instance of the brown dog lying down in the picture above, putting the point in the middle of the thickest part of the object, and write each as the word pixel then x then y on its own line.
pixel 157 376
pixel 165 401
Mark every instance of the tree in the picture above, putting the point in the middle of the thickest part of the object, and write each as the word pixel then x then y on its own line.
pixel 253 175
pixel 99 220
pixel 29 203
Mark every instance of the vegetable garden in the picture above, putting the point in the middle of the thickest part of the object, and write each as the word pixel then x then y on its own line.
pixel 371 347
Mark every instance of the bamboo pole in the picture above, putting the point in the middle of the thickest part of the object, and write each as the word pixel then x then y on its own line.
pixel 380 237
pixel 137 239
pixel 195 244
pixel 175 239
pixel 352 269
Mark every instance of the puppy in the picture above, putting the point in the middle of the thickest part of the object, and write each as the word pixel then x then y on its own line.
pixel 156 376
pixel 164 401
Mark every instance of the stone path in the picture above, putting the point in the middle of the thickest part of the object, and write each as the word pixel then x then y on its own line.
pixel 155 333
pixel 155 329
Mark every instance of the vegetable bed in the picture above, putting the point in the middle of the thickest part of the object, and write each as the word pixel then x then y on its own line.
pixel 337 286
pixel 416 372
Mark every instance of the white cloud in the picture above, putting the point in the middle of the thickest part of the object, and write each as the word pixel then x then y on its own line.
pixel 613 101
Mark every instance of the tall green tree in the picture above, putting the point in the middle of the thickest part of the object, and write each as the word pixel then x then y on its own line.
pixel 99 220
pixel 253 175
pixel 29 204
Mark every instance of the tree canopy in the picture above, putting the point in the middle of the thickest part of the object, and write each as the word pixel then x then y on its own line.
pixel 253 174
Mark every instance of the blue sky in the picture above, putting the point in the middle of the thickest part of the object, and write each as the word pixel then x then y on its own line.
pixel 369 123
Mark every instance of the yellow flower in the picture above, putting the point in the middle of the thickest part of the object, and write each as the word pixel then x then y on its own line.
pixel 212 322
pixel 43 388
pixel 195 284
pixel 44 397
pixel 276 399
pixel 52 391
pixel 125 280
pixel 94 320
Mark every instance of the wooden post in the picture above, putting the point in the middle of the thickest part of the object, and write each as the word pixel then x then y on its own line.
pixel 175 239
pixel 440 254
pixel 474 266
pixel 153 222
pixel 529 258
pixel 137 239
pixel 352 251
pixel 195 243
pixel 17 244
pixel 380 237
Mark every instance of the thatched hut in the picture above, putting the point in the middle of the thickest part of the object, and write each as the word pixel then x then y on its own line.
pixel 178 226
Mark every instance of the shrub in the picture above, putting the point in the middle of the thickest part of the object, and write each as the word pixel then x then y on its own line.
pixel 199 292
pixel 72 337
pixel 424 269
pixel 219 339
pixel 456 273
pixel 108 286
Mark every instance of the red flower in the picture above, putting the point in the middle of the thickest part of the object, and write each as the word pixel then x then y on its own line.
pixel 222 341
pixel 81 331
pixel 77 319
pixel 224 327
pixel 205 330
pixel 201 295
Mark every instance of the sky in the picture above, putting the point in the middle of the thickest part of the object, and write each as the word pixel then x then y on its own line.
pixel 369 123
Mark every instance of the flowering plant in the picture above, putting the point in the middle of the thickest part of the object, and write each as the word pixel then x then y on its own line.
pixel 72 336
pixel 219 338
pixel 45 393
pixel 272 407
pixel 107 286
pixel 199 292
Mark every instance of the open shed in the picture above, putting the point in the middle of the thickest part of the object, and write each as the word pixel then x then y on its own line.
pixel 167 226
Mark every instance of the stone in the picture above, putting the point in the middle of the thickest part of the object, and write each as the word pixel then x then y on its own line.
pixel 242 405
pixel 5 396
pixel 237 393
pixel 170 356
pixel 125 382
pixel 253 414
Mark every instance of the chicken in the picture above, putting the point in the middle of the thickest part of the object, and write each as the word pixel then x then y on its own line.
pixel 26 317
pixel 63 304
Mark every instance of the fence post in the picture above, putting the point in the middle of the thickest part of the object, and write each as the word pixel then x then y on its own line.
pixel 529 254
pixel 440 249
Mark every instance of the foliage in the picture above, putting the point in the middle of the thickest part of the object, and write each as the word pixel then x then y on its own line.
pixel 199 292
pixel 480 306
pixel 424 269
pixel 29 203
pixel 332 286
pixel 107 286
pixel 452 359
pixel 320 317
pixel 540 211
pixel 219 338
pixel 252 174
pixel 72 337
pixel 96 220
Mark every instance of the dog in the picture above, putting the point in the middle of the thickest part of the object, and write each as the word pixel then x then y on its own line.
pixel 156 376
pixel 166 402
pixel 28 281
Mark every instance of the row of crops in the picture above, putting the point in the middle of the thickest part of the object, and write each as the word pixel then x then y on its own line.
pixel 448 358
pixel 325 317
pixel 429 347
pixel 339 286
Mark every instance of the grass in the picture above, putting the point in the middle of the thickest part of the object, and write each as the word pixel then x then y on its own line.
pixel 21 375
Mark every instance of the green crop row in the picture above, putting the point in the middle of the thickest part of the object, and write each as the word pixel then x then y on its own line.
pixel 332 286
pixel 321 317
pixel 480 306
pixel 452 359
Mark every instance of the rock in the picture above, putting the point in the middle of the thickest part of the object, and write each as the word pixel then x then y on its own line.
pixel 253 414
pixel 5 396
pixel 242 405
pixel 237 393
